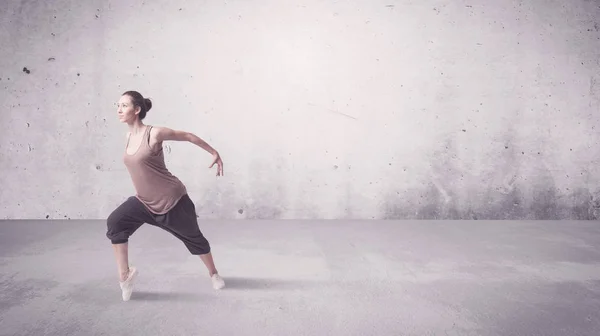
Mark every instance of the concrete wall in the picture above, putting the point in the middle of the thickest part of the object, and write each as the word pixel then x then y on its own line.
pixel 320 109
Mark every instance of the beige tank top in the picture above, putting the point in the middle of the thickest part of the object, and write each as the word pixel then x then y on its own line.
pixel 155 186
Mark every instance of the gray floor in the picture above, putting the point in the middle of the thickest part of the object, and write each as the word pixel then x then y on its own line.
pixel 307 278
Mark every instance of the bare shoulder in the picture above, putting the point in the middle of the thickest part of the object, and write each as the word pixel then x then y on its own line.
pixel 161 133
pixel 156 132
pixel 157 129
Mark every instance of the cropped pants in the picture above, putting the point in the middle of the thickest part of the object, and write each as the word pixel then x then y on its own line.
pixel 180 221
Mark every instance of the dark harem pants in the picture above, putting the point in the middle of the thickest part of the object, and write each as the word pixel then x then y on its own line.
pixel 180 221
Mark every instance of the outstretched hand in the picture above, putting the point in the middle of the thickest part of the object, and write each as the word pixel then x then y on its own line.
pixel 217 160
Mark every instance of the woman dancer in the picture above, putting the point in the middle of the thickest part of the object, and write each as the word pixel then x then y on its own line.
pixel 161 199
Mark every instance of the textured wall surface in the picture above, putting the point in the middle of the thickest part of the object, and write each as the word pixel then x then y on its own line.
pixel 320 109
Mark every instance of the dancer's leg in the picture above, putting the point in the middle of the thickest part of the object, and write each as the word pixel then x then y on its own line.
pixel 121 253
pixel 208 261
pixel 181 221
pixel 121 224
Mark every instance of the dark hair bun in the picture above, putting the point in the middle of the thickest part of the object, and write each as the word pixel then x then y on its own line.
pixel 148 104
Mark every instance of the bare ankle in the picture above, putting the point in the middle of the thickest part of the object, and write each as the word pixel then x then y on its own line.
pixel 123 276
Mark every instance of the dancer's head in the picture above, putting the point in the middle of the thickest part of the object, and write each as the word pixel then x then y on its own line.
pixel 133 105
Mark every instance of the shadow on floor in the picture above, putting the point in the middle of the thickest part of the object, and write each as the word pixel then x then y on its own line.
pixel 240 283
pixel 164 296
pixel 231 284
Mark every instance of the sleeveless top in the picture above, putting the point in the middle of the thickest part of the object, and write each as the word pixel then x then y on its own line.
pixel 155 186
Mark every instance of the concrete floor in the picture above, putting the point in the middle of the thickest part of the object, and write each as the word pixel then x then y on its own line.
pixel 307 278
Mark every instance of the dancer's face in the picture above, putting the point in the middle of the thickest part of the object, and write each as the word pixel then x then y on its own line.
pixel 126 110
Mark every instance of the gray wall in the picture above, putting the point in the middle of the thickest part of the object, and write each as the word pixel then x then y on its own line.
pixel 320 109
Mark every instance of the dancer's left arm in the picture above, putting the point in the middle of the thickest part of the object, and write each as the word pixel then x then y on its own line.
pixel 165 134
